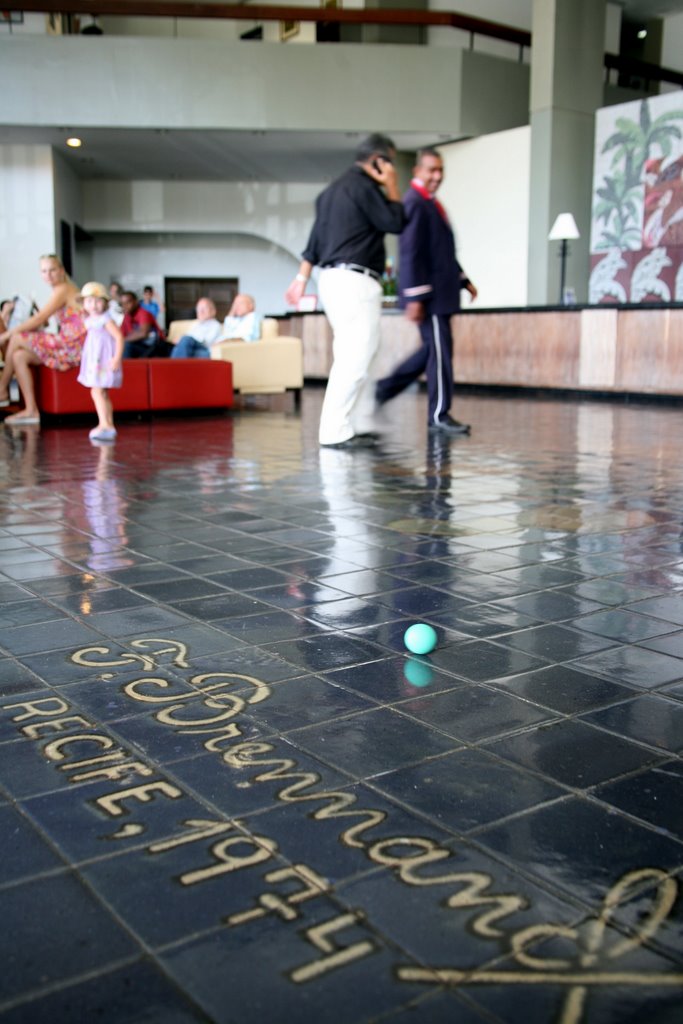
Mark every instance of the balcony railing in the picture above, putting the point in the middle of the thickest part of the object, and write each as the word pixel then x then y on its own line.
pixel 333 15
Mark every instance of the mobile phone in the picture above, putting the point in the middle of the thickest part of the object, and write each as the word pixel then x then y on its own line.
pixel 377 165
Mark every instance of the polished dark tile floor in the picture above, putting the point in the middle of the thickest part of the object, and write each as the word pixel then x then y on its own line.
pixel 228 793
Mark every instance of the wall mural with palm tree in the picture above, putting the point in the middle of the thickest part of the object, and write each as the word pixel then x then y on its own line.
pixel 637 217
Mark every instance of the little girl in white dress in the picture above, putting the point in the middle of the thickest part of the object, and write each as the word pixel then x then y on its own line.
pixel 101 358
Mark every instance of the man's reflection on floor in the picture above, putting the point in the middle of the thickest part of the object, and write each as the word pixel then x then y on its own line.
pixel 439 499
pixel 434 509
pixel 418 503
pixel 346 481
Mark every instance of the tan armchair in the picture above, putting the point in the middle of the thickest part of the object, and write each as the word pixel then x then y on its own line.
pixel 271 365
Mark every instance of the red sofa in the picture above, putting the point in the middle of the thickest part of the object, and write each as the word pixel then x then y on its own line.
pixel 148 385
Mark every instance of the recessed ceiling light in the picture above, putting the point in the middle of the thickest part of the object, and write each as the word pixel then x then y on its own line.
pixel 74 142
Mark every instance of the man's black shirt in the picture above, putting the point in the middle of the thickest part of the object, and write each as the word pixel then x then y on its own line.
pixel 352 217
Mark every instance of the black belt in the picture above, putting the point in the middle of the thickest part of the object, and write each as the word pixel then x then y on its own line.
pixel 356 267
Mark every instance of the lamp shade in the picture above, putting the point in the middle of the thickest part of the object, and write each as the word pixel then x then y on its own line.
pixel 564 227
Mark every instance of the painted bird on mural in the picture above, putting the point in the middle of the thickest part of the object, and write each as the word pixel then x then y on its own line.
pixel 663 203
pixel 656 175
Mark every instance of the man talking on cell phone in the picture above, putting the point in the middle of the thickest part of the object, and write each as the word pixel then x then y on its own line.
pixel 353 214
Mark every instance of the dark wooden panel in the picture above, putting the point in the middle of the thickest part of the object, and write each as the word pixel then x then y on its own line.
pixel 182 293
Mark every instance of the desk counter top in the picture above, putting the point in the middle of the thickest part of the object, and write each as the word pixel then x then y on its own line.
pixel 626 349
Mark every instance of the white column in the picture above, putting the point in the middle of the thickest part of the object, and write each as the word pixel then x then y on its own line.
pixel 566 89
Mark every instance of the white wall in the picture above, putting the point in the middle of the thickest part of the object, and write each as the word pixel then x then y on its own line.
pixel 486 193
pixel 306 30
pixel 192 83
pixel 506 12
pixel 281 213
pixel 68 205
pixel 27 227
pixel 145 230
pixel 515 13
pixel 210 28
pixel 263 269
pixel 33 24
pixel 613 28
pixel 672 43
pixel 256 230
pixel 180 28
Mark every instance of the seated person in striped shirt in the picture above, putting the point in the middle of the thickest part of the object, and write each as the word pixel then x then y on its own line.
pixel 203 333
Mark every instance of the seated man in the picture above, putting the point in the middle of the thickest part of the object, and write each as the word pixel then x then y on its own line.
pixel 142 335
pixel 204 331
pixel 242 322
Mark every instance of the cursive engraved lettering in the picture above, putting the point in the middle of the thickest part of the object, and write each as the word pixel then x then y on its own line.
pixel 588 968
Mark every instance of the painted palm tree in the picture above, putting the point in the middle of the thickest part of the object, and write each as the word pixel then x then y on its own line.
pixel 619 200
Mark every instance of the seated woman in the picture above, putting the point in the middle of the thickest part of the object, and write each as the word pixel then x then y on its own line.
pixel 242 322
pixel 28 346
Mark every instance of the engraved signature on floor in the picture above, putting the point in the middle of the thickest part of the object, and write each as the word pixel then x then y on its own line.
pixel 588 953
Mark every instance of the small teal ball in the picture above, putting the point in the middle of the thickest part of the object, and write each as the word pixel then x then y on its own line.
pixel 420 638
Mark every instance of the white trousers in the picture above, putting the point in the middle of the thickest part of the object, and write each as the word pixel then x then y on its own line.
pixel 353 305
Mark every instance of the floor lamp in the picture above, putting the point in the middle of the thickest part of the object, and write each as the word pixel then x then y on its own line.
pixel 562 230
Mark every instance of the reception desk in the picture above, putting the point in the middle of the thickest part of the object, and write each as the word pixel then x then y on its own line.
pixel 627 349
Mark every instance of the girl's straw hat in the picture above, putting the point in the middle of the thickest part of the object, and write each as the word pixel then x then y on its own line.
pixel 94 289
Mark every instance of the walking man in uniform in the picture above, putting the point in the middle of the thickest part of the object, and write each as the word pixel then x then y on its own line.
pixel 347 242
pixel 430 281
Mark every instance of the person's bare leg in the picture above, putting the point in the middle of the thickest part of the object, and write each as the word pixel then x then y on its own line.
pixel 22 360
pixel 105 414
pixel 8 369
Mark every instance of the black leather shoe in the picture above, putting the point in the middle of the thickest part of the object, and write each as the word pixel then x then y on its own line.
pixel 357 441
pixel 449 426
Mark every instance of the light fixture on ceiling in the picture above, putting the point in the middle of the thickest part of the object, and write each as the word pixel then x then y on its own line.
pixel 642 34
pixel 74 142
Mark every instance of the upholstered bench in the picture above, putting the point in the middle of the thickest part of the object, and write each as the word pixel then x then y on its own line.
pixel 271 365
pixel 187 384
pixel 148 385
